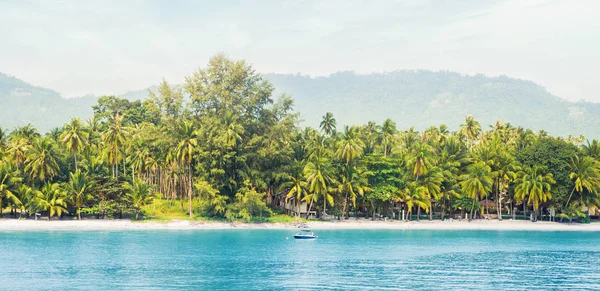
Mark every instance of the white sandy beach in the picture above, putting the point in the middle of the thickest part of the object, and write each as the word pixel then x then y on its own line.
pixel 365 224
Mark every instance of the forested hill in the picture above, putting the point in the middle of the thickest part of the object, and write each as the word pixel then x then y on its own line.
pixel 22 103
pixel 411 98
pixel 425 98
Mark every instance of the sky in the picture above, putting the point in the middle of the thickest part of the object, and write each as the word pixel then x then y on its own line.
pixel 83 47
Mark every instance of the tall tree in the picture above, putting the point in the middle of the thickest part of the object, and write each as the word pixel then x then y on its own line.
pixel 328 124
pixel 534 185
pixel 74 138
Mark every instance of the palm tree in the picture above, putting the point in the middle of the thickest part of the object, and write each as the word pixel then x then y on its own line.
pixel 297 188
pixel 318 177
pixel 139 195
pixel 592 149
pixel 17 150
pixel 470 130
pixel 74 138
pixel 78 189
pixel 431 183
pixel 585 171
pixel 418 160
pixel 9 181
pixel 476 183
pixel 114 138
pixel 505 171
pixel 52 198
pixel 328 124
pixel 41 161
pixel 388 131
pixel 350 146
pixel 414 195
pixel 534 184
pixel 184 152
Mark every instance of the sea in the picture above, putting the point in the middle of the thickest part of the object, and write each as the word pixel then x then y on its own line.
pixel 255 259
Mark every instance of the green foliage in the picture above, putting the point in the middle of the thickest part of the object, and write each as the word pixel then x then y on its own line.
pixel 248 204
pixel 221 147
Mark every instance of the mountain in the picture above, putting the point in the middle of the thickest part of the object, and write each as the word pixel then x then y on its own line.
pixel 424 98
pixel 23 103
pixel 410 98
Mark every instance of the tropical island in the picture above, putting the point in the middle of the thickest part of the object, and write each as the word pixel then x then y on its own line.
pixel 221 150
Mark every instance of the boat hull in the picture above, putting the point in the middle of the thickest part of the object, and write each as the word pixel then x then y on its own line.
pixel 304 237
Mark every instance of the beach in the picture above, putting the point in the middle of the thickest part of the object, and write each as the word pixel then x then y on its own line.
pixel 350 224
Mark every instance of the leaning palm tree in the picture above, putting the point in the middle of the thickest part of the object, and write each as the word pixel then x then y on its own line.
pixel 534 185
pixel 297 188
pixel 139 195
pixel 585 173
pixel 42 159
pixel 52 198
pixel 74 138
pixel 319 180
pixel 477 182
pixel 328 124
pixel 9 181
pixel 185 152
pixel 79 190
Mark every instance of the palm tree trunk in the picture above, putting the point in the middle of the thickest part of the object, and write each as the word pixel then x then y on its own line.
pixel 190 188
pixel 472 208
pixel 419 213
pixel 572 191
pixel 345 204
pixel 78 213
pixel 75 158
pixel 443 208
pixel 430 211
pixel 524 210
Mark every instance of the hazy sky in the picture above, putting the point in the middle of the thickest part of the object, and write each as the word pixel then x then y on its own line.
pixel 101 47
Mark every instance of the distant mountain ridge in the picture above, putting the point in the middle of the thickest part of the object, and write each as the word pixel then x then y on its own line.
pixel 411 98
pixel 424 98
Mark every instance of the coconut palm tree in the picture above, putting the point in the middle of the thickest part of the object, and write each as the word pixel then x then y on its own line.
pixel 297 188
pixel 52 198
pixel 79 190
pixel 114 138
pixel 534 185
pixel 470 130
pixel 42 159
pixel 185 151
pixel 431 183
pixel 139 195
pixel 585 173
pixel 317 173
pixel 414 195
pixel 418 159
pixel 592 149
pixel 17 150
pixel 388 132
pixel 9 181
pixel 74 138
pixel 328 124
pixel 476 182
pixel 350 147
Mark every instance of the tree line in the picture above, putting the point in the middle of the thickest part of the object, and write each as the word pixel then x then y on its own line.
pixel 220 146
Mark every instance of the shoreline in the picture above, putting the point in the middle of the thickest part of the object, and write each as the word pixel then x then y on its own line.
pixel 352 224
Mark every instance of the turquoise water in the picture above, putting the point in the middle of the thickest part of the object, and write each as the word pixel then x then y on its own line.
pixel 272 260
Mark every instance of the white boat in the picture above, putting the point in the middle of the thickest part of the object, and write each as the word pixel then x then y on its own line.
pixel 305 234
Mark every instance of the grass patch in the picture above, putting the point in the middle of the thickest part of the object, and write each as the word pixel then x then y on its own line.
pixel 163 211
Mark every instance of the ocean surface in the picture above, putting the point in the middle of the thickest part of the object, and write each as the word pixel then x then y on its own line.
pixel 273 260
